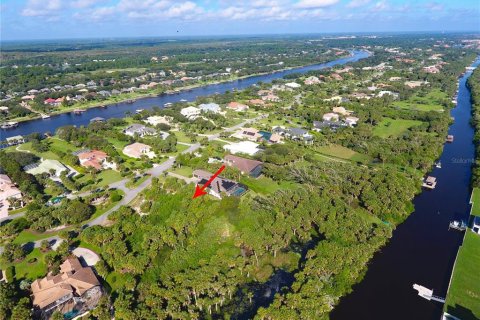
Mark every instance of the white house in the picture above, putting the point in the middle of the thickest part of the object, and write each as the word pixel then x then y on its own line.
pixel 386 92
pixel 351 121
pixel 330 116
pixel 292 85
pixel 139 129
pixel 311 80
pixel 210 107
pixel 137 150
pixel 246 147
pixel 190 113
pixel 155 120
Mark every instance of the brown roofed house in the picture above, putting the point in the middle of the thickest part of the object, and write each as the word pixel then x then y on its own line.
pixel 73 291
pixel 246 166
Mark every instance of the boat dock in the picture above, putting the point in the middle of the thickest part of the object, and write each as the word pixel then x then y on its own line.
pixel 427 293
pixel 430 182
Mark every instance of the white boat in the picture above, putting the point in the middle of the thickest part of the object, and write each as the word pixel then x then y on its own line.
pixel 45 116
pixel 438 165
pixel 168 104
pixel 9 125
pixel 183 100
pixel 138 111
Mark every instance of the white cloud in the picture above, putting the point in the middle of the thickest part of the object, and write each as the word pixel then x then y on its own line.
pixel 40 8
pixel 80 4
pixel 434 6
pixel 380 6
pixel 315 3
pixel 357 3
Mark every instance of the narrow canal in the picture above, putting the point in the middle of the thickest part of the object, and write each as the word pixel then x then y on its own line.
pixel 118 110
pixel 422 250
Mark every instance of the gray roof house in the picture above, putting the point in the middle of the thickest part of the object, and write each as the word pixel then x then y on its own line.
pixel 294 134
pixel 139 129
pixel 219 185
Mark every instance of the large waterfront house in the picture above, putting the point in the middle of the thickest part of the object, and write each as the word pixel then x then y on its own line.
pixel 8 191
pixel 210 107
pixel 219 186
pixel 191 113
pixel 246 166
pixel 73 291
pixel 140 130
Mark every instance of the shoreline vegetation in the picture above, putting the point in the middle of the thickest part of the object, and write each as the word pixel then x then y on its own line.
pixel 143 95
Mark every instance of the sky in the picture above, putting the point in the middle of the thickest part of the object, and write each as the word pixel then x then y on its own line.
pixel 52 19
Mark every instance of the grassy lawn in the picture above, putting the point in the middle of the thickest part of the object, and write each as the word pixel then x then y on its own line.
pixel 432 101
pixel 55 145
pixel 119 145
pixel 181 137
pixel 29 236
pixel 418 106
pixel 104 178
pixel 475 202
pixel 33 270
pixel 341 152
pixel 265 185
pixel 393 127
pixel 180 148
pixel 463 298
pixel 184 171
pixel 12 212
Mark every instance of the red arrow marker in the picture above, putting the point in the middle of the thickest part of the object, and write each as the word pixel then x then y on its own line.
pixel 200 191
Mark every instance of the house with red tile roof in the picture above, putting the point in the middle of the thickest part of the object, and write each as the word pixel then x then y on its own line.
pixel 237 106
pixel 96 159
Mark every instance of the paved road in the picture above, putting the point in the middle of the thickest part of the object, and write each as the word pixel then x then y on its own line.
pixel 130 194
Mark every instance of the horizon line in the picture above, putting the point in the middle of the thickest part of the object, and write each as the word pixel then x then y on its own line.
pixel 400 32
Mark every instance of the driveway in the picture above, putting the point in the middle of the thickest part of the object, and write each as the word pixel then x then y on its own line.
pixel 88 256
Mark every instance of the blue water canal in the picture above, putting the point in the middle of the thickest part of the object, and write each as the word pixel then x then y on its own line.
pixel 119 110
pixel 422 249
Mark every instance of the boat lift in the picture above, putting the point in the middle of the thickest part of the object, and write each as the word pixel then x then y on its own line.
pixel 427 293
pixel 457 225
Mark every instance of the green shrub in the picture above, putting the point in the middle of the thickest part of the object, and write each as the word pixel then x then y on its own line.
pixel 10 273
